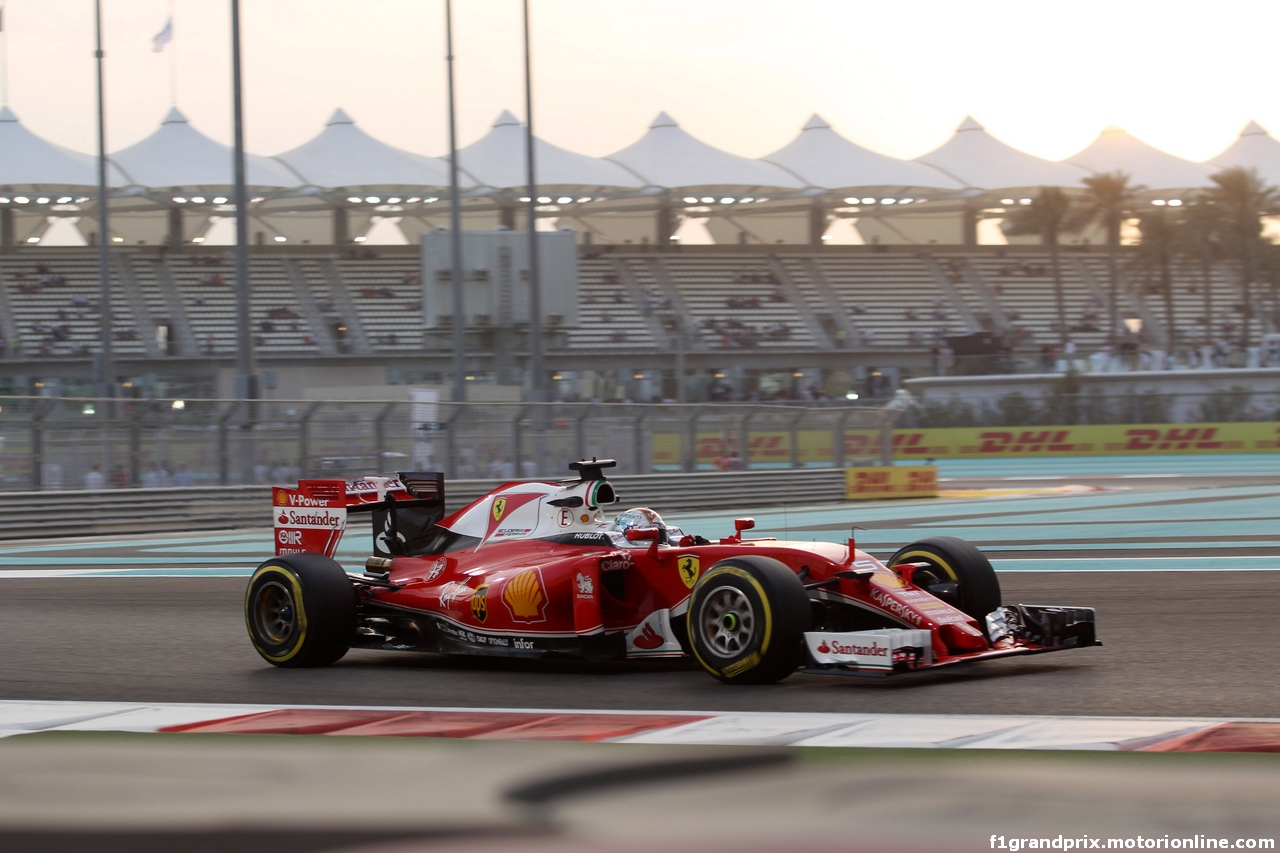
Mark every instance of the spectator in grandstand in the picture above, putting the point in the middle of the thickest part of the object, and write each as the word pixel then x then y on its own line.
pixel 93 478
pixel 184 479
pixel 119 479
pixel 859 308
pixel 155 477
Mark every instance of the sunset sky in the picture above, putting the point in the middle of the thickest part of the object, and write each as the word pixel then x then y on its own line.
pixel 743 75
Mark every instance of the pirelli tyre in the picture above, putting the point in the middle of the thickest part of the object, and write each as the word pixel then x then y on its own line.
pixel 747 618
pixel 960 573
pixel 300 610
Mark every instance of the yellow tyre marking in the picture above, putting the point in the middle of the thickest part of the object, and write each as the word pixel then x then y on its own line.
pixel 764 601
pixel 931 558
pixel 297 607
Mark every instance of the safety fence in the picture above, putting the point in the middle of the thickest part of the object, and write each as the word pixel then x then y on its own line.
pixel 50 444
pixel 26 515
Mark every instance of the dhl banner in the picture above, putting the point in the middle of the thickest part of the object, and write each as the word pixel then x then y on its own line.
pixel 890 481
pixel 814 446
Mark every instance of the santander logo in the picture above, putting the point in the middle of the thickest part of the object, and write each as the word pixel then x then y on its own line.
pixel 835 647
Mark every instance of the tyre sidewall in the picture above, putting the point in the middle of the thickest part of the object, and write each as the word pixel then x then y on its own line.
pixel 773 650
pixel 324 604
pixel 961 563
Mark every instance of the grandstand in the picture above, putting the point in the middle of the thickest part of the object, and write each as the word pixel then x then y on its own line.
pixel 834 315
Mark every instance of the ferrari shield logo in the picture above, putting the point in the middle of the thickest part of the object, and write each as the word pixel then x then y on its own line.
pixel 499 508
pixel 688 567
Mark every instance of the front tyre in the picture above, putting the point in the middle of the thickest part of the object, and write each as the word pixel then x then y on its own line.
pixel 959 566
pixel 300 610
pixel 747 618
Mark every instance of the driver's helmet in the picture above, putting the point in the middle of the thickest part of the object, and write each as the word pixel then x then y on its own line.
pixel 640 516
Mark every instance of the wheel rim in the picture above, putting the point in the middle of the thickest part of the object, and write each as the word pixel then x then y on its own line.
pixel 728 622
pixel 274 614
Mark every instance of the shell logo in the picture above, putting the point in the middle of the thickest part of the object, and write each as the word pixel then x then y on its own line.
pixel 524 596
pixel 499 508
pixel 282 498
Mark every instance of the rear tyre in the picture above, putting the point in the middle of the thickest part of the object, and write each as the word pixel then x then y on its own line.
pixel 300 610
pixel 747 618
pixel 955 561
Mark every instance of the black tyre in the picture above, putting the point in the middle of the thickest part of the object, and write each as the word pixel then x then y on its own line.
pixel 300 610
pixel 955 562
pixel 747 618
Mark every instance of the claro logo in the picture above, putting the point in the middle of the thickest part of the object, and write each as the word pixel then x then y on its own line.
pixel 897 608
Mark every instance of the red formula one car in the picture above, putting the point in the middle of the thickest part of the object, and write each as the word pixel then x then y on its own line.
pixel 538 569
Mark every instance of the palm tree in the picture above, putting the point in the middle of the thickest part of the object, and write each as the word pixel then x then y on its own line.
pixel 1107 200
pixel 1201 243
pixel 1047 215
pixel 1241 199
pixel 1153 261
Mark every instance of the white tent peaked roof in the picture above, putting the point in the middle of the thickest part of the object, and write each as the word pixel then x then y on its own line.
pixel 670 158
pixel 1255 149
pixel 343 155
pixel 497 160
pixel 178 155
pixel 1116 151
pixel 30 162
pixel 979 160
pixel 823 158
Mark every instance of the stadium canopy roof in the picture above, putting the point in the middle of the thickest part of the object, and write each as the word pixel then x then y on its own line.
pixel 980 161
pixel 497 160
pixel 669 158
pixel 823 158
pixel 28 162
pixel 344 156
pixel 1255 149
pixel 1116 151
pixel 179 157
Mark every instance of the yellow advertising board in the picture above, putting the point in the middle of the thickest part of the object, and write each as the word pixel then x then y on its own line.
pixel 814 446
pixel 1124 440
pixel 890 481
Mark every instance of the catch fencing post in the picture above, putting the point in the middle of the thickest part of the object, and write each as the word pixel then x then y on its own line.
pixel 795 438
pixel 304 439
pixel 38 415
pixel 380 432
pixel 224 450
pixel 580 427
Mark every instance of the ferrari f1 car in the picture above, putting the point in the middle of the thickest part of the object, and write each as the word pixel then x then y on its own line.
pixel 541 569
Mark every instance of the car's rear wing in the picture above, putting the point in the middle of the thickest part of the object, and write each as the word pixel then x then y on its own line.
pixel 313 517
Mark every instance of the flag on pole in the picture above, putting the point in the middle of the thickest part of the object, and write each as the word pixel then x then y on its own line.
pixel 163 37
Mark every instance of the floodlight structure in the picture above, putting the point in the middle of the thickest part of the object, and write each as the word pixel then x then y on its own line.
pixel 535 278
pixel 246 372
pixel 455 225
pixel 104 367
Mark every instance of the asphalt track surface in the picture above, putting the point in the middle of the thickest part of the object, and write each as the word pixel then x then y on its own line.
pixel 1196 642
